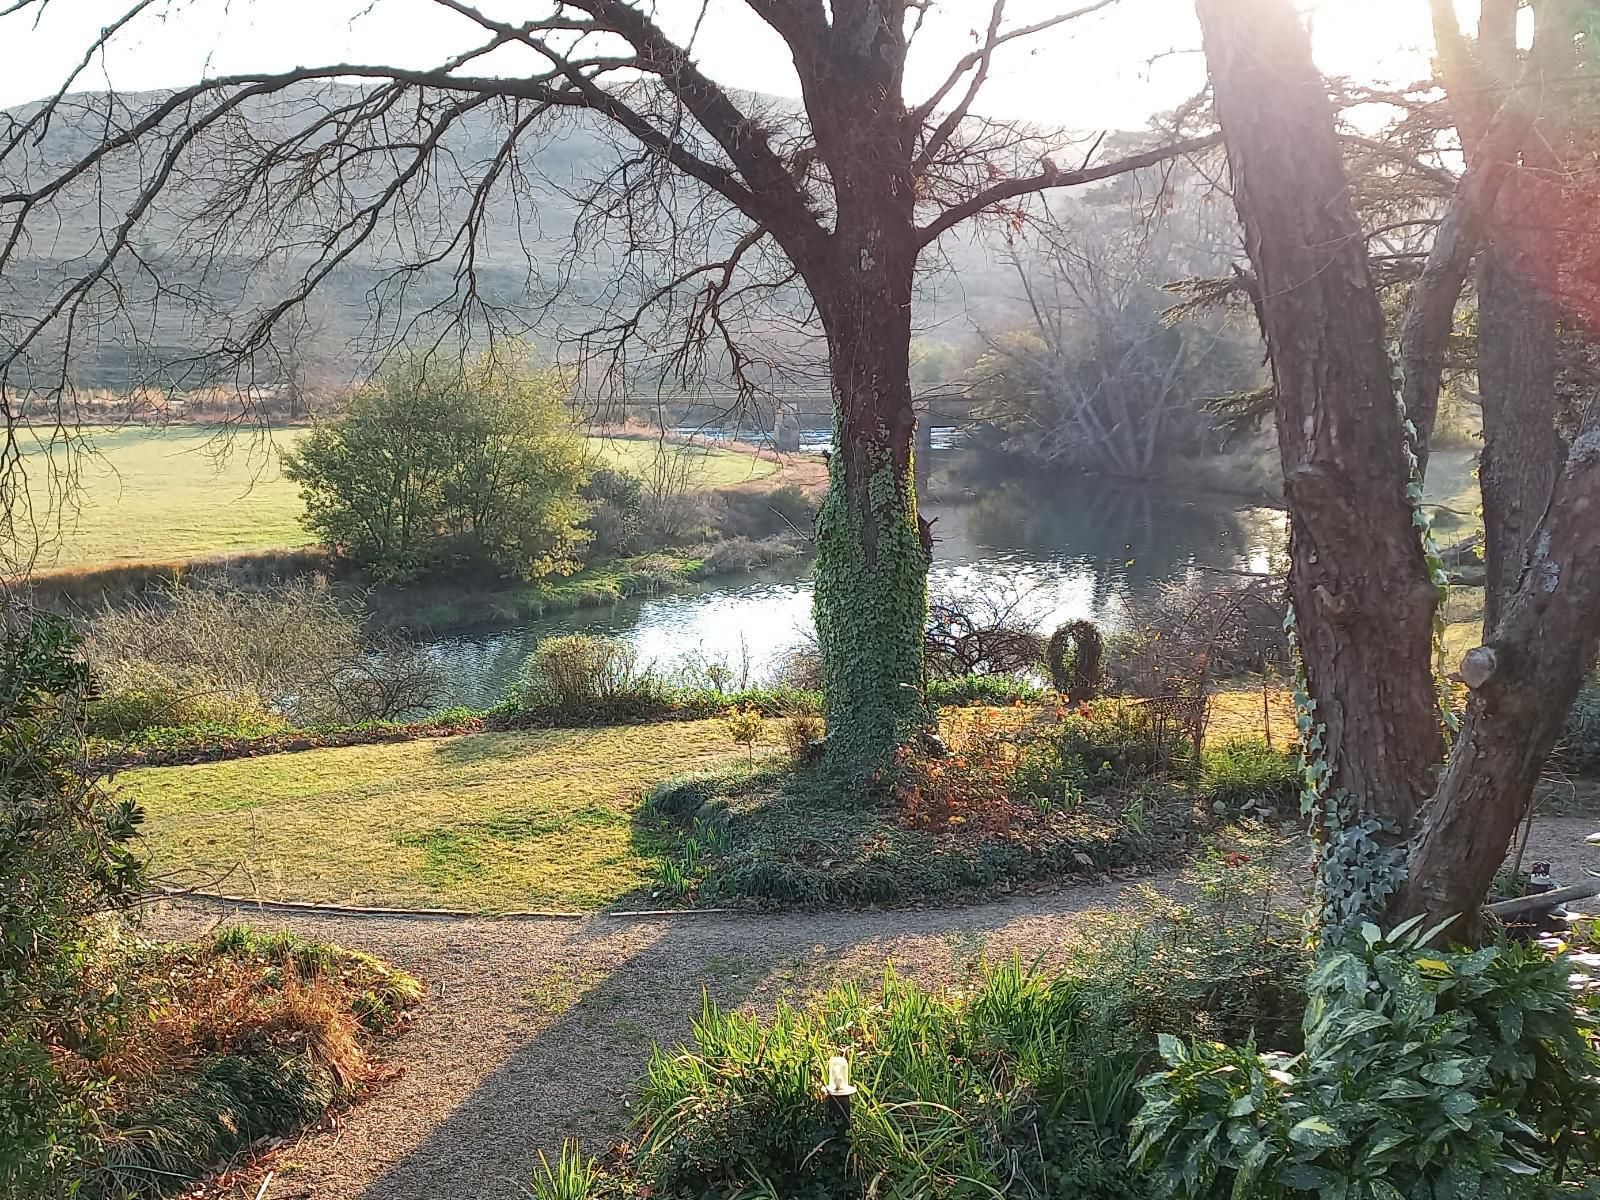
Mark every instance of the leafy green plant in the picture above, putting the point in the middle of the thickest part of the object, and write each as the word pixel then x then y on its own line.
pixel 571 1177
pixel 65 857
pixel 1098 746
pixel 1245 777
pixel 745 726
pixel 584 673
pixel 436 464
pixel 1426 1073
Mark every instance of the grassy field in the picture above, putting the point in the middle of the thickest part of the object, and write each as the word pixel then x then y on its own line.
pixel 492 821
pixel 152 494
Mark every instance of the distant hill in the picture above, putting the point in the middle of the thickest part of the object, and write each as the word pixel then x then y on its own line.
pixel 156 317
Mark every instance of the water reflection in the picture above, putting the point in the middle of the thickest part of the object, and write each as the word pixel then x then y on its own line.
pixel 1058 549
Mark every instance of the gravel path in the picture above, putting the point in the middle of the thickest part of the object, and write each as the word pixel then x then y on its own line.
pixel 533 1031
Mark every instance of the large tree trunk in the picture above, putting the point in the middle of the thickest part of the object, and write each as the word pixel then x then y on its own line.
pixel 872 548
pixel 1522 452
pixel 871 603
pixel 1358 577
pixel 1523 681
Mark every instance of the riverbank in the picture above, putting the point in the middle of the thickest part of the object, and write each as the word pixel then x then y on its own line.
pixel 748 508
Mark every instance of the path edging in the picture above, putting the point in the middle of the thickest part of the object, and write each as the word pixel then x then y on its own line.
pixel 452 914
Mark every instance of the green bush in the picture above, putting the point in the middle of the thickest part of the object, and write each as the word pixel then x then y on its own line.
pixel 64 861
pixel 616 513
pixel 998 690
pixel 1426 1073
pixel 140 697
pixel 583 673
pixel 1245 777
pixel 440 464
pixel 1099 746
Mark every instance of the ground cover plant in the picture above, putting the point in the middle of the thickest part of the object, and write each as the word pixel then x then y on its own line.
pixel 1017 795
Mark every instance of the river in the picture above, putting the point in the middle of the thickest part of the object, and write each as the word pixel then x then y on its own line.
pixel 1070 547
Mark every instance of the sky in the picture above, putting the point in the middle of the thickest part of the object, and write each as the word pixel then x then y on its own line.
pixel 1108 70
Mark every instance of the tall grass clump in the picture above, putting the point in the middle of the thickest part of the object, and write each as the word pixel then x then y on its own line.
pixel 979 1097
pixel 1245 777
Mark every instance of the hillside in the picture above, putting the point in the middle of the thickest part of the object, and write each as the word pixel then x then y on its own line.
pixel 201 274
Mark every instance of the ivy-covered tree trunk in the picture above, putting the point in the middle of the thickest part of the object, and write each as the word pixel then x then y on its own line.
pixel 1359 578
pixel 873 549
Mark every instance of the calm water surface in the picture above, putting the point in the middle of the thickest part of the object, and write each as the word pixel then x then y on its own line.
pixel 1058 549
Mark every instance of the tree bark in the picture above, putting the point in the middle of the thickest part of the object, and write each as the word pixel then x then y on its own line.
pixel 1522 452
pixel 1526 676
pixel 873 551
pixel 871 597
pixel 1358 578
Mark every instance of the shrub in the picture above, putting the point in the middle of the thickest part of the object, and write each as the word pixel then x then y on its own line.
pixel 584 673
pixel 968 789
pixel 979 635
pixel 64 860
pixel 1227 962
pixel 436 464
pixel 138 696
pixel 802 734
pixel 213 656
pixel 1425 1073
pixel 985 689
pixel 616 513
pixel 1100 745
pixel 1579 747
pixel 1245 777
pixel 745 726
pixel 1074 655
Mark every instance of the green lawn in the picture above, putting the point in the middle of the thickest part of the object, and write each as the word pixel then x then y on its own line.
pixel 491 821
pixel 156 494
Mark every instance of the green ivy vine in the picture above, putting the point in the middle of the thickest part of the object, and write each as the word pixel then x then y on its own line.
pixel 1423 523
pixel 1357 872
pixel 871 616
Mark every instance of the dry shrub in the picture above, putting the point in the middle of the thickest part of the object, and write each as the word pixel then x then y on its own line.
pixel 967 789
pixel 802 735
pixel 213 1004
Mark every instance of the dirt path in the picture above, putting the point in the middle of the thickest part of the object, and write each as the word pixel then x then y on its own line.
pixel 535 1031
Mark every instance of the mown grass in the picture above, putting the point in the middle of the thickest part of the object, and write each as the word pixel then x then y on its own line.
pixel 182 492
pixel 494 821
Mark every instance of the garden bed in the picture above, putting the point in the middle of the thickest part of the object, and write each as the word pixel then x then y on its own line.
pixel 208 1047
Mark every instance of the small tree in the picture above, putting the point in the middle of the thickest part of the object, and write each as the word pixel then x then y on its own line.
pixel 434 464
